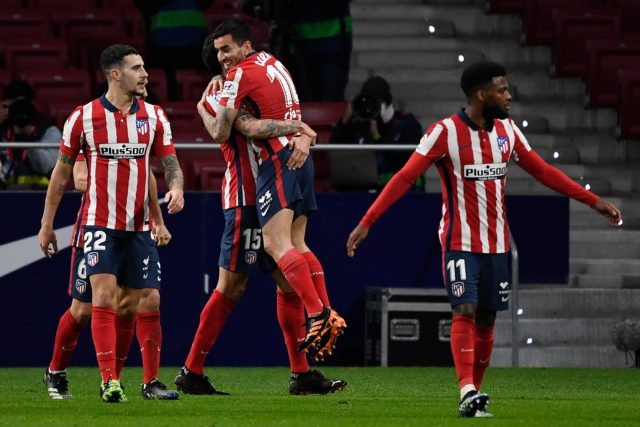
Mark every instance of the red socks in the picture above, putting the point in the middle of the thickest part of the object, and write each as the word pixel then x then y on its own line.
pixel 212 320
pixel 291 320
pixel 317 275
pixel 463 348
pixel 149 332
pixel 67 336
pixel 103 330
pixel 124 336
pixel 296 270
pixel 483 347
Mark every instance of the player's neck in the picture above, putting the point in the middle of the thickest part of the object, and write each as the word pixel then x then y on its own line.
pixel 475 114
pixel 122 101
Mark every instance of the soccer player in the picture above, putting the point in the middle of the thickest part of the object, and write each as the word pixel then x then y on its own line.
pixel 284 189
pixel 471 150
pixel 79 313
pixel 118 133
pixel 241 249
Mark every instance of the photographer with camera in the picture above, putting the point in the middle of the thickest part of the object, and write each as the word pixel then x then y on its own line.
pixel 27 168
pixel 370 118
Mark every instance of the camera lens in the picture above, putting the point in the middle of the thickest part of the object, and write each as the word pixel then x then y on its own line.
pixel 366 107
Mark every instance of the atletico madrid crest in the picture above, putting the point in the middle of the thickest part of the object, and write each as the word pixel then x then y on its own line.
pixel 251 257
pixel 143 126
pixel 457 289
pixel 503 144
pixel 92 258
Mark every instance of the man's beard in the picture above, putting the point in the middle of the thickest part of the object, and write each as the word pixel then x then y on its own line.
pixel 493 111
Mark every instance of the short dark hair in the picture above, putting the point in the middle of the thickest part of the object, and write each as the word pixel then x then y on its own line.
pixel 210 53
pixel 478 75
pixel 239 30
pixel 22 113
pixel 16 89
pixel 114 55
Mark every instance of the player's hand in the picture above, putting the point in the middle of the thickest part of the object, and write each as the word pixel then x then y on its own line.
pixel 610 211
pixel 161 234
pixel 202 109
pixel 175 200
pixel 215 85
pixel 300 151
pixel 48 241
pixel 355 238
pixel 306 130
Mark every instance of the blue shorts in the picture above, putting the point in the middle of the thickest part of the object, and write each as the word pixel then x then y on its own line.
pixel 279 188
pixel 482 279
pixel 130 256
pixel 241 246
pixel 79 286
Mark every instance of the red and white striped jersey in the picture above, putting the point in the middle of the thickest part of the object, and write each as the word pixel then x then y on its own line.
pixel 266 88
pixel 118 147
pixel 472 163
pixel 239 182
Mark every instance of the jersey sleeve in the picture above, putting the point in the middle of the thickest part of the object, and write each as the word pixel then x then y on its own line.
pixel 163 140
pixel 546 174
pixel 211 102
pixel 430 149
pixel 235 88
pixel 72 134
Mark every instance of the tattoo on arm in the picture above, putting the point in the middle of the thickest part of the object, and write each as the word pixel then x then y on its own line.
pixel 63 158
pixel 222 123
pixel 172 171
pixel 266 128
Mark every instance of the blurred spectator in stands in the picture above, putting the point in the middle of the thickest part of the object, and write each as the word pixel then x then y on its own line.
pixel 27 167
pixel 370 118
pixel 314 40
pixel 13 91
pixel 175 31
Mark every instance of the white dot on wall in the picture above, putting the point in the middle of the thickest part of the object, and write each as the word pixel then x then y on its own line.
pixel 529 340
pixel 525 123
pixel 432 29
pixel 556 154
pixel 460 58
pixel 587 186
pixel 520 312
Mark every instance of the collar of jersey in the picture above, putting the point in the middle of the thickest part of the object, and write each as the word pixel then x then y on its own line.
pixel 135 105
pixel 463 116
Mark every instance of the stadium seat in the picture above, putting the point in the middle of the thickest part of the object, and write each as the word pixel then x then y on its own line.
pixel 572 30
pixel 5 77
pixel 322 114
pixel 538 22
pixel 183 117
pixel 628 119
pixel 606 58
pixel 87 51
pixel 158 84
pixel 47 54
pixel 94 24
pixel 59 112
pixel 629 14
pixel 192 161
pixel 192 84
pixel 60 5
pixel 506 6
pixel 55 85
pixel 23 23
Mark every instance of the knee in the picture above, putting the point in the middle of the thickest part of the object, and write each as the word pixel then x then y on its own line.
pixel 127 308
pixel 149 301
pixel 81 313
pixel 104 296
pixel 465 309
pixel 233 289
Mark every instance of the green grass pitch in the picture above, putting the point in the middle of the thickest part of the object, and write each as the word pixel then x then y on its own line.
pixel 374 397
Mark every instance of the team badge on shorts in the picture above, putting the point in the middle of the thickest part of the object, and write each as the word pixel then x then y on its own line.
pixel 142 125
pixel 457 289
pixel 92 258
pixel 250 257
pixel 503 144
pixel 81 286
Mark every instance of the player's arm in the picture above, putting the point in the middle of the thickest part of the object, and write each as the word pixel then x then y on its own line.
pixel 80 175
pixel 266 128
pixel 555 179
pixel 160 231
pixel 175 181
pixel 62 173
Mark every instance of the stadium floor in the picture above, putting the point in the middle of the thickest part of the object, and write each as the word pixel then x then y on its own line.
pixel 374 397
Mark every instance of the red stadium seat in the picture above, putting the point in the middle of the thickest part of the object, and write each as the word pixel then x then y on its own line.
pixel 5 77
pixel 192 161
pixel 34 56
pixel 506 6
pixel 59 112
pixel 323 114
pixel 538 22
pixel 92 23
pixel 192 84
pixel 60 85
pixel 606 58
pixel 572 30
pixel 629 14
pixel 628 119
pixel 158 84
pixel 183 117
pixel 23 23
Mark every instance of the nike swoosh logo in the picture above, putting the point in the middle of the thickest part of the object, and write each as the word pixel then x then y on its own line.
pixel 466 350
pixel 20 253
pixel 144 276
pixel 484 361
pixel 264 212
pixel 505 299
